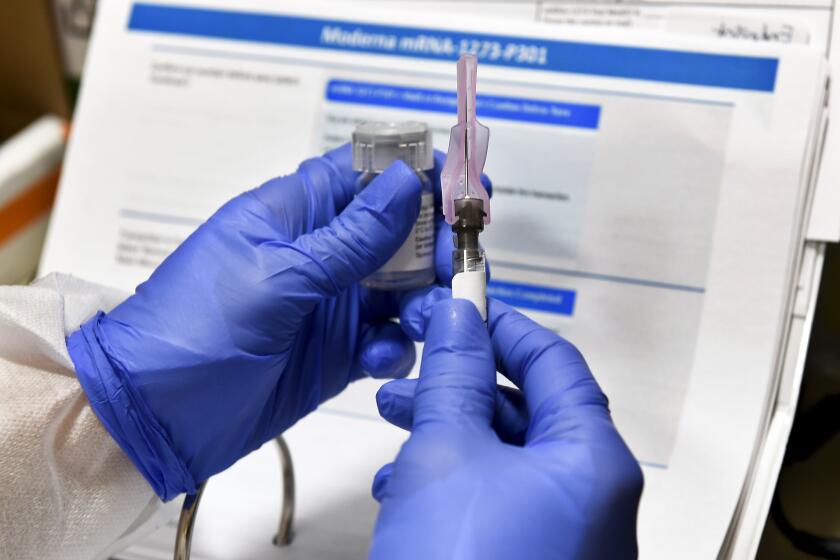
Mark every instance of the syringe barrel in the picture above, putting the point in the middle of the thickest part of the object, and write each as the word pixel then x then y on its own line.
pixel 468 255
pixel 468 260
pixel 468 267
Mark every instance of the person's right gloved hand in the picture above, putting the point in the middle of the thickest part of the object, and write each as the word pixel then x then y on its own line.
pixel 554 479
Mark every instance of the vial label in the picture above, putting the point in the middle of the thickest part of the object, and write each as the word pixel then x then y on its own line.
pixel 418 251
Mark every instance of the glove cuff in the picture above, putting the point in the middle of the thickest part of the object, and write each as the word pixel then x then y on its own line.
pixel 125 415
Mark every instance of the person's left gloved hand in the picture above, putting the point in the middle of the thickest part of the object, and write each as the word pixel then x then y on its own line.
pixel 252 322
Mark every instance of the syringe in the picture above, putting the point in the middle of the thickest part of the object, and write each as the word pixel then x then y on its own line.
pixel 466 204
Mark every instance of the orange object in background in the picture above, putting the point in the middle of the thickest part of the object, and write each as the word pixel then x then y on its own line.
pixel 28 207
pixel 30 164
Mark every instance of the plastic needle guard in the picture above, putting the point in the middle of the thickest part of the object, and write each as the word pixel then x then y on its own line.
pixel 461 175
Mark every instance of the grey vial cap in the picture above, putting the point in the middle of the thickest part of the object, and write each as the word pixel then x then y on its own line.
pixel 376 145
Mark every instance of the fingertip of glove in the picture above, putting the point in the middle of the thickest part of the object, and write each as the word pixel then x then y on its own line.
pixel 392 200
pixel 380 482
pixel 415 309
pixel 457 313
pixel 455 328
pixel 384 399
pixel 400 176
pixel 395 402
pixel 394 394
pixel 389 354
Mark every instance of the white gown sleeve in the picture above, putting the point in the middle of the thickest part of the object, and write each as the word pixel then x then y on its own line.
pixel 66 489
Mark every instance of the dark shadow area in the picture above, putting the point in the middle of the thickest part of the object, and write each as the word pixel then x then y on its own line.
pixel 805 518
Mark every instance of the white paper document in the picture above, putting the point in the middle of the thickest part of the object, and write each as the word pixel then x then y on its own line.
pixel 650 197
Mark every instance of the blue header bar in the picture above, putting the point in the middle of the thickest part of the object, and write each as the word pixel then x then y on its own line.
pixel 671 66
pixel 528 296
pixel 441 101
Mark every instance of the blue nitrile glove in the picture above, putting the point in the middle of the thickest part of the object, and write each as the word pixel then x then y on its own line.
pixel 570 489
pixel 253 321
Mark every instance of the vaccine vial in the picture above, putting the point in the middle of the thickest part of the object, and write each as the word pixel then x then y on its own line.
pixel 376 145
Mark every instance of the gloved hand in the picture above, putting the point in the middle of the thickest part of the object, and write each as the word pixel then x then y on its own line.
pixel 253 321
pixel 556 481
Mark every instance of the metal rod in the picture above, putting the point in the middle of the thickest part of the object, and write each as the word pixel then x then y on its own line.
pixel 467 145
pixel 183 536
pixel 284 536
pixel 284 530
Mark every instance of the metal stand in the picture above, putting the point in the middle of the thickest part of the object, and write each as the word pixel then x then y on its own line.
pixel 284 529
pixel 183 537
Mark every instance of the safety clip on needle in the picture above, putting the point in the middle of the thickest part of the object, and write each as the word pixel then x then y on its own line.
pixel 466 205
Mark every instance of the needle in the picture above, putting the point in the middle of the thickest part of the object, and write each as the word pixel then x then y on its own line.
pixel 466 150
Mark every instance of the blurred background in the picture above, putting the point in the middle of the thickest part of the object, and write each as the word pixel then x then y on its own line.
pixel 42 51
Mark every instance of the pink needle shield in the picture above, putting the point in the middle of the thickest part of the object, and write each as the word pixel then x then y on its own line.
pixel 461 175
